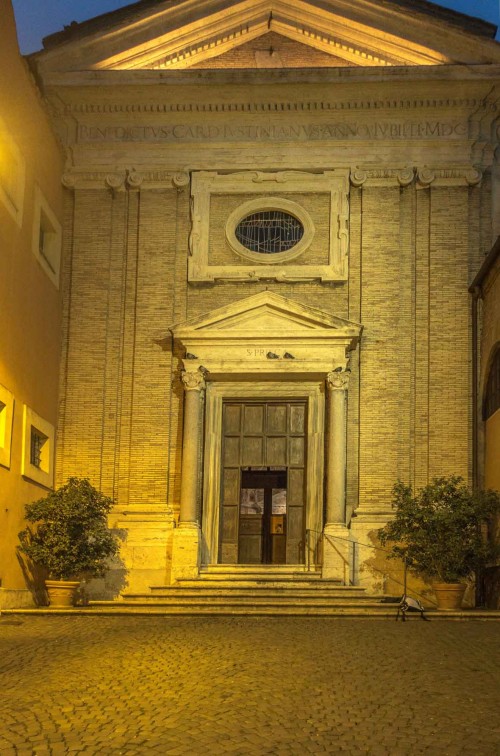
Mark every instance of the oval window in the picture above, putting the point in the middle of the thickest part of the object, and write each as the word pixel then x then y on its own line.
pixel 269 232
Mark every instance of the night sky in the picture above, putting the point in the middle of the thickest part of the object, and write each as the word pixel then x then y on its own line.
pixel 38 18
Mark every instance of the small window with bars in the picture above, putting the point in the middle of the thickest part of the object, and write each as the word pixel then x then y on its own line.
pixel 492 395
pixel 38 441
pixel 269 231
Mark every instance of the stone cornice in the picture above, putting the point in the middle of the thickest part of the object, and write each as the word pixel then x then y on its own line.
pixel 269 107
pixel 488 72
pixel 122 180
pixel 119 180
pixel 424 176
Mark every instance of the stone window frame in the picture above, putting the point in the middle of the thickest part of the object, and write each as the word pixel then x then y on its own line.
pixel 263 204
pixel 47 237
pixel 44 473
pixel 206 184
pixel 12 197
pixel 6 420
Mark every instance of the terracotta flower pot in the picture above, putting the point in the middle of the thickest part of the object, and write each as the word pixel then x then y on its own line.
pixel 449 595
pixel 61 593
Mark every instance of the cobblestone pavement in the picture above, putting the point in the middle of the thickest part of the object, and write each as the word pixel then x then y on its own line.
pixel 129 685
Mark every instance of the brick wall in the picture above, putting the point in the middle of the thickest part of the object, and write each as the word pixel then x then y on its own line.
pixel 409 396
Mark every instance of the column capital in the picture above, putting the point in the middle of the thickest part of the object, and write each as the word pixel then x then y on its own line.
pixel 193 380
pixel 338 381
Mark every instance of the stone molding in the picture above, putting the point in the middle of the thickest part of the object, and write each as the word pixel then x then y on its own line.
pixel 462 175
pixel 206 184
pixel 272 106
pixel 128 179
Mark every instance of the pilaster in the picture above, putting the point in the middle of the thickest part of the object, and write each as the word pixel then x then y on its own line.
pixel 187 536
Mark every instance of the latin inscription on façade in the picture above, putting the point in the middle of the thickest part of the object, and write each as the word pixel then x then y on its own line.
pixel 275 132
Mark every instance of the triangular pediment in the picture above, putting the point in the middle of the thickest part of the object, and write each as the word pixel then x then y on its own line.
pixel 180 34
pixel 264 314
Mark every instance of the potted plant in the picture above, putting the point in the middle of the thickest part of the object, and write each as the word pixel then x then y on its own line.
pixel 439 531
pixel 71 538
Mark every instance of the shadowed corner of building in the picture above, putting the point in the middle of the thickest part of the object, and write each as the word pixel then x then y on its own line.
pixel 109 587
pixel 389 574
pixel 34 576
pixel 114 582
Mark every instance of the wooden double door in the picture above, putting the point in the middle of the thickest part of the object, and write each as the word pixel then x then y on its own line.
pixel 262 511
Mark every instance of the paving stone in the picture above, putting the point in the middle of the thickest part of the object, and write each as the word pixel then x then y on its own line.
pixel 244 686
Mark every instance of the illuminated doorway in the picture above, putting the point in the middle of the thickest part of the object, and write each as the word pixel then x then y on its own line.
pixel 263 491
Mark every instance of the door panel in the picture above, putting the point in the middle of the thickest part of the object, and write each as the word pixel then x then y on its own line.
pixel 231 487
pixel 297 418
pixel 269 436
pixel 295 487
pixel 276 418
pixel 232 418
pixel 276 451
pixel 253 421
pixel 253 451
pixel 250 539
pixel 296 450
pixel 232 451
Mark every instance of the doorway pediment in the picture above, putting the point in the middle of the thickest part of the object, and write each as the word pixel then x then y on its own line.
pixel 267 333
pixel 167 35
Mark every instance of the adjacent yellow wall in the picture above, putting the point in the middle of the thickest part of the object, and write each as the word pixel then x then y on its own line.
pixel 492 460
pixel 30 304
pixel 490 339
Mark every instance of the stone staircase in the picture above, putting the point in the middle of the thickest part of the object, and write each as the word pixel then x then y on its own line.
pixel 254 590
pixel 260 591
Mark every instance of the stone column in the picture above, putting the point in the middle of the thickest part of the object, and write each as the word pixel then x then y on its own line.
pixel 186 537
pixel 194 384
pixel 336 543
pixel 337 384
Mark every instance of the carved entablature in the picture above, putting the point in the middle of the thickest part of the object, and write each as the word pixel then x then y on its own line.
pixel 123 180
pixel 317 202
pixel 423 177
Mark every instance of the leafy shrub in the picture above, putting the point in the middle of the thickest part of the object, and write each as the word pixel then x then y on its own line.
pixel 439 529
pixel 71 537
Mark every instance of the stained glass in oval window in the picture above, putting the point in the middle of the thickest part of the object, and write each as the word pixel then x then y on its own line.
pixel 269 231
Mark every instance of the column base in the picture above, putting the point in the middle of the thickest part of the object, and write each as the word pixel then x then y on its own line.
pixel 337 561
pixel 186 552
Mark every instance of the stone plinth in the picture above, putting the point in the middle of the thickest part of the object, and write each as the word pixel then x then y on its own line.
pixel 185 552
pixel 337 560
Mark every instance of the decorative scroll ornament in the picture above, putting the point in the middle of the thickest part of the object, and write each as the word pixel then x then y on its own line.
pixel 193 380
pixel 426 176
pixel 358 177
pixel 114 181
pixel 473 177
pixel 405 176
pixel 68 180
pixel 180 180
pixel 338 381
pixel 134 179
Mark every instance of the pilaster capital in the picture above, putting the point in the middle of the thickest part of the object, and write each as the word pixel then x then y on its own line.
pixel 338 381
pixel 193 380
pixel 68 180
pixel 181 180
pixel 358 177
pixel 134 179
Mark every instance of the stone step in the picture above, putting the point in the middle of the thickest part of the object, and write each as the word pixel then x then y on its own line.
pixel 250 601
pixel 250 593
pixel 222 581
pixel 382 613
pixel 263 569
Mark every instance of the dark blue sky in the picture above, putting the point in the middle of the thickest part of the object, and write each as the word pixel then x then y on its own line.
pixel 38 18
